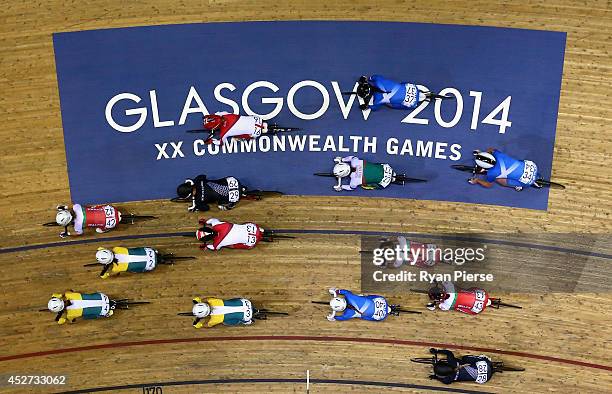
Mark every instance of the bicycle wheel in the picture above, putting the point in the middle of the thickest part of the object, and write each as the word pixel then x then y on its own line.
pixel 401 310
pixel 463 168
pixel 178 258
pixel 280 129
pixel 510 305
pixel 424 360
pixel 325 174
pixel 277 236
pixel 552 185
pixel 51 224
pixel 511 369
pixel 126 304
pixel 404 178
pixel 136 218
pixel 263 193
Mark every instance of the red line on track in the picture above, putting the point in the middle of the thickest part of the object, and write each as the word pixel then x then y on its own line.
pixel 402 342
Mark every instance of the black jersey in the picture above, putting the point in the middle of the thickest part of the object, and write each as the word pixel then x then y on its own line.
pixel 224 191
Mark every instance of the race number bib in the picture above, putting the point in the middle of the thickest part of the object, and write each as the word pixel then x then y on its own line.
pixel 412 95
pixel 248 312
pixel 258 126
pixel 110 217
pixel 234 189
pixel 483 370
pixel 105 305
pixel 380 309
pixel 151 259
pixel 480 297
pixel 251 234
pixel 387 175
pixel 529 173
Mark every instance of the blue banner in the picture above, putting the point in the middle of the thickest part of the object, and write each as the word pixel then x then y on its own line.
pixel 129 95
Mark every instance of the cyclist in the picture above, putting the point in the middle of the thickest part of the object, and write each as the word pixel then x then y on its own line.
pixel 346 305
pixel 120 259
pixel 70 306
pixel 215 235
pixel 505 170
pixel 477 369
pixel 410 252
pixel 101 217
pixel 230 312
pixel 378 91
pixel 224 126
pixel 225 192
pixel 471 301
pixel 365 174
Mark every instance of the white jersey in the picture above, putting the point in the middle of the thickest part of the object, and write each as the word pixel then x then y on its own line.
pixel 252 126
pixel 243 236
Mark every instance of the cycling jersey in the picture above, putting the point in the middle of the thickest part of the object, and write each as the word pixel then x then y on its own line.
pixel 398 95
pixel 368 175
pixel 104 217
pixel 132 260
pixel 230 312
pixel 471 301
pixel 366 307
pixel 413 253
pixel 521 173
pixel 477 369
pixel 234 236
pixel 224 191
pixel 87 306
pixel 237 126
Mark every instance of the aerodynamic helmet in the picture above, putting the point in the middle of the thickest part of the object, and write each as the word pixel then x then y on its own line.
pixel 185 189
pixel 201 310
pixel 442 369
pixel 63 217
pixel 484 160
pixel 55 305
pixel 341 170
pixel 212 122
pixel 338 304
pixel 105 256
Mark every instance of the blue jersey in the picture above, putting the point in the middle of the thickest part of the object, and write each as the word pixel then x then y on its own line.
pixel 370 307
pixel 398 95
pixel 516 172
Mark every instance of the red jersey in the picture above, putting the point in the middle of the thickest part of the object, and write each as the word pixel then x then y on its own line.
pixel 105 217
pixel 234 236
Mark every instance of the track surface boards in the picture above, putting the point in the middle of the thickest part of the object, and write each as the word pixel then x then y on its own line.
pixel 574 328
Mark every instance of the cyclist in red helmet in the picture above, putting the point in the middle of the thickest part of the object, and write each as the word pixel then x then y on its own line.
pixel 223 126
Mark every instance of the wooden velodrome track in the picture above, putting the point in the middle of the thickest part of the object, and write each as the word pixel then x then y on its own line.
pixel 151 344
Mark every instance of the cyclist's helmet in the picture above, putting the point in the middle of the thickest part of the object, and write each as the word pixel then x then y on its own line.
pixel 341 170
pixel 484 160
pixel 338 304
pixel 205 234
pixel 212 122
pixel 201 310
pixel 185 190
pixel 63 217
pixel 443 369
pixel 437 293
pixel 364 89
pixel 105 256
pixel 55 305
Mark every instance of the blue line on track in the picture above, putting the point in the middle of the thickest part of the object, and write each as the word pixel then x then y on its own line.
pixel 263 380
pixel 466 238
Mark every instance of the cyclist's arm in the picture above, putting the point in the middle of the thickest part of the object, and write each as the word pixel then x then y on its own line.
pixel 105 274
pixel 482 182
